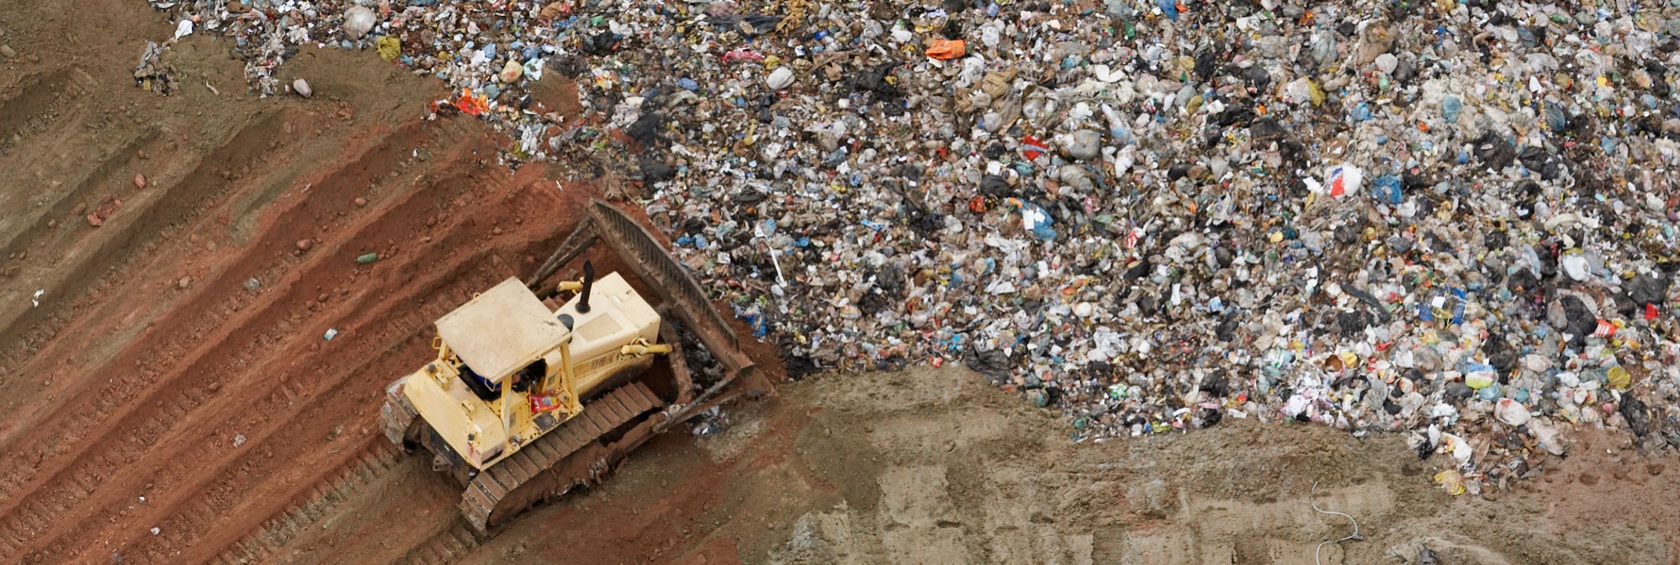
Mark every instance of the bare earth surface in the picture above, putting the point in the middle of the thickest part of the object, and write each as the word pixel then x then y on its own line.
pixel 172 399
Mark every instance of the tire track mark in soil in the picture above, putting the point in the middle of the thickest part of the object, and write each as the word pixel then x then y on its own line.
pixel 54 234
pixel 161 263
pixel 278 248
pixel 103 256
pixel 40 99
pixel 350 403
pixel 172 404
pixel 199 504
pixel 101 177
pixel 353 505
pixel 376 465
pixel 445 548
pixel 410 348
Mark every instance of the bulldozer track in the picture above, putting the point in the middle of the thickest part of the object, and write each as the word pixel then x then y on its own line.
pixel 509 486
pixel 444 548
pixel 274 533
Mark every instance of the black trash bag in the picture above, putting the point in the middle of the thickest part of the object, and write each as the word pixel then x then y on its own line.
pixel 1148 305
pixel 1581 321
pixel 1501 355
pixel 1206 418
pixel 1227 329
pixel 1352 323
pixel 1496 240
pixel 1638 416
pixel 1348 234
pixel 569 66
pixel 875 80
pixel 800 366
pixel 1391 407
pixel 1522 281
pixel 1265 130
pixel 888 290
pixel 995 186
pixel 1178 171
pixel 1217 384
pixel 1140 270
pixel 1646 289
pixel 953 29
pixel 1495 151
pixel 1458 391
pixel 600 43
pixel 1234 116
pixel 1424 450
pixel 1224 256
pixel 1410 183
pixel 654 170
pixel 1548 263
pixel 1206 63
pixel 1256 78
pixel 1404 71
pixel 1538 160
pixel 646 129
pixel 993 365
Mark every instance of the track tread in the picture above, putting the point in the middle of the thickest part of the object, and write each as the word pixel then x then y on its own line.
pixel 521 461
pixel 545 454
pixel 535 458
pixel 615 405
pixel 510 473
pixel 601 415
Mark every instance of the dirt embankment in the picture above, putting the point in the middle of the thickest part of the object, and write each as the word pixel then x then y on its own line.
pixel 932 466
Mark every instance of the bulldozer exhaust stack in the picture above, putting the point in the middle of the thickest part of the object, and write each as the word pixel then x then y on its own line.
pixel 588 281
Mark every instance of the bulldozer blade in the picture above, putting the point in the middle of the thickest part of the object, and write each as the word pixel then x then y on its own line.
pixel 668 278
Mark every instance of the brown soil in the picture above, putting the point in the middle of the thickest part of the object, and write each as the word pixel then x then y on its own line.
pixel 932 466
pixel 175 375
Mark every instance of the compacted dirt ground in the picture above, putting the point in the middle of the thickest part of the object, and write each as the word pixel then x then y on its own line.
pixel 169 267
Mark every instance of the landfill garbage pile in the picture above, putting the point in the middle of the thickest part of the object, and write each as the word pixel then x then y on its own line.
pixel 1450 220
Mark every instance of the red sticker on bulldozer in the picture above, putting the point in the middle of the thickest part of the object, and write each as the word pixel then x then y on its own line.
pixel 542 403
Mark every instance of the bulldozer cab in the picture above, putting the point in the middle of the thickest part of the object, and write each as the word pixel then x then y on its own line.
pixel 501 333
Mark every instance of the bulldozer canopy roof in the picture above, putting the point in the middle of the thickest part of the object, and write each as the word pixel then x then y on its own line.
pixel 501 331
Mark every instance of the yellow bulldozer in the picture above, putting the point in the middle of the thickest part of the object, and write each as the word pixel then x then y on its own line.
pixel 530 395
